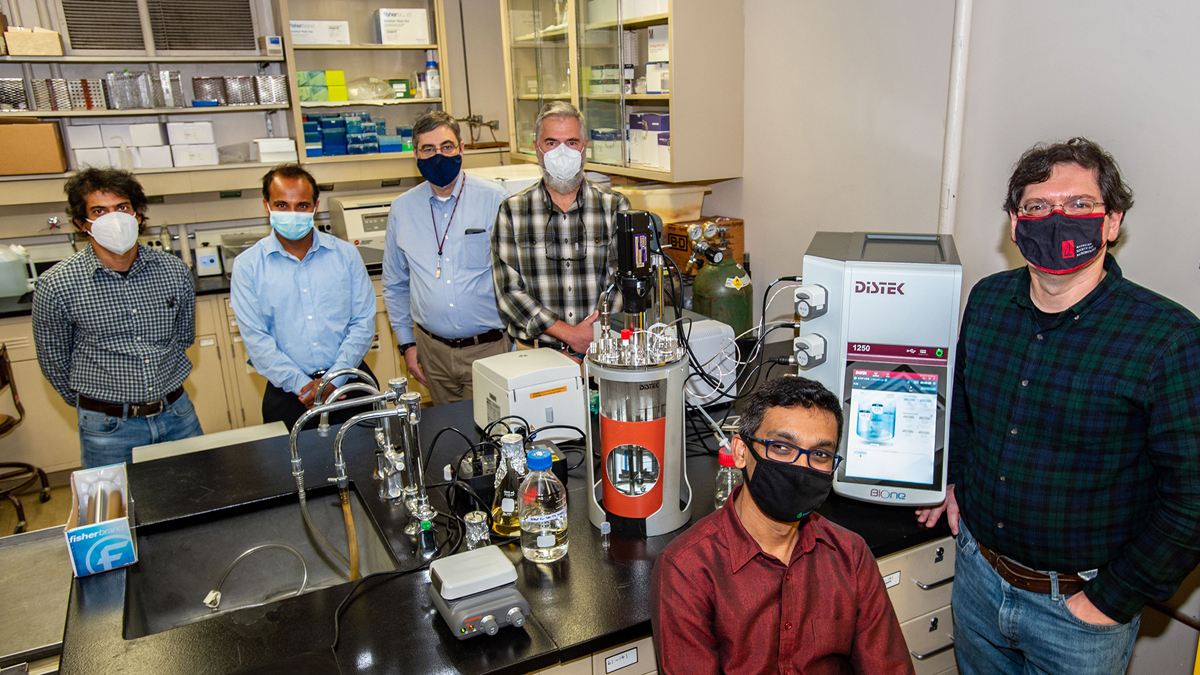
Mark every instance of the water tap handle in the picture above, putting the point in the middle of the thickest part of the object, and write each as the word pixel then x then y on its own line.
pixel 411 402
pixel 398 385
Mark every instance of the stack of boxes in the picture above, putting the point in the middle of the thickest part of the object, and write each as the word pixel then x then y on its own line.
pixel 322 85
pixel 127 146
pixel 192 143
pixel 334 134
pixel 649 141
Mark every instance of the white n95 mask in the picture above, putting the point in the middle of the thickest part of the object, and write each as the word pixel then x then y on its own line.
pixel 562 162
pixel 115 231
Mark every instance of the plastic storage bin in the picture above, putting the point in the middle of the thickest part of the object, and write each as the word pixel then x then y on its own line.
pixel 672 203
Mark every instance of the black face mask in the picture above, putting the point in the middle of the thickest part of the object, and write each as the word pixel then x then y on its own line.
pixel 1058 243
pixel 786 492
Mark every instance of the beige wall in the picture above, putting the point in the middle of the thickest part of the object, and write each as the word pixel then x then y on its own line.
pixel 845 105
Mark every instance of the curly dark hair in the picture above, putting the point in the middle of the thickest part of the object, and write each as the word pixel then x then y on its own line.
pixel 787 392
pixel 1036 165
pixel 293 171
pixel 91 180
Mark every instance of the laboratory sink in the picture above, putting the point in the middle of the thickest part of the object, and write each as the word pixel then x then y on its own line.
pixel 181 561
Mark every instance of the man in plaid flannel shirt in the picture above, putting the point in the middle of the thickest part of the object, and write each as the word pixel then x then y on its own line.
pixel 552 250
pixel 1075 442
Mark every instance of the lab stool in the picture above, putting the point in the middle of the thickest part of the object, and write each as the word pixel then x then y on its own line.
pixel 26 474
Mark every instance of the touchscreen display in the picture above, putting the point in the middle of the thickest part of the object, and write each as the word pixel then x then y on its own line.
pixel 891 429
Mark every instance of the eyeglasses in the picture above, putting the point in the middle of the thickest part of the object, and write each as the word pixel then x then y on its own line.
pixel 787 453
pixel 448 149
pixel 1040 208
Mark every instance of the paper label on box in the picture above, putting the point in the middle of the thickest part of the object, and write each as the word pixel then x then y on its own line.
pixel 891 580
pixel 403 27
pixel 320 32
pixel 622 660
pixel 101 547
pixel 658 48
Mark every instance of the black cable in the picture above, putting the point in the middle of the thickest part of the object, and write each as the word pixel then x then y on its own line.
pixel 487 431
pixel 429 453
pixel 582 457
pixel 540 429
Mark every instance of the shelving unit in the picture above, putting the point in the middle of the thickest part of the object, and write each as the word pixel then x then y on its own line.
pixel 377 102
pixel 706 53
pixel 351 48
pixel 143 112
pixel 232 58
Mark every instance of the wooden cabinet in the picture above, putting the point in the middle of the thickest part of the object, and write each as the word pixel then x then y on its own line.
pixel 580 50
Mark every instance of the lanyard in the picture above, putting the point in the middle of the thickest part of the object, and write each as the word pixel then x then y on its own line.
pixel 433 217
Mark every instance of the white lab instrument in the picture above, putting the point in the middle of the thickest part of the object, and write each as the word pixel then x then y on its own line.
pixel 512 177
pixel 361 220
pixel 880 324
pixel 208 260
pixel 712 344
pixel 540 385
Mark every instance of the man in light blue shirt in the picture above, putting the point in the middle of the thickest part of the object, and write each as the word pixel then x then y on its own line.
pixel 303 300
pixel 437 278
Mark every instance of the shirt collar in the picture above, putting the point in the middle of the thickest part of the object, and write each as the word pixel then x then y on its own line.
pixel 92 262
pixel 743 548
pixel 1112 277
pixel 583 198
pixel 272 244
pixel 459 182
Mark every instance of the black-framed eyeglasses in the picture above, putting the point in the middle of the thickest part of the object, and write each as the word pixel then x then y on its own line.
pixel 788 453
pixel 448 149
pixel 1040 208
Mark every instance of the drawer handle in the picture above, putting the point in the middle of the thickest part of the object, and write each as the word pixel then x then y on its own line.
pixel 930 655
pixel 936 584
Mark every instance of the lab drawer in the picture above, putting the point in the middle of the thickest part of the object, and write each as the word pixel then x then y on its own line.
pixel 930 640
pixel 17 335
pixel 631 658
pixel 952 670
pixel 920 579
pixel 580 666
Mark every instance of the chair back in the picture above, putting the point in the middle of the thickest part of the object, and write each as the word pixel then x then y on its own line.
pixel 8 422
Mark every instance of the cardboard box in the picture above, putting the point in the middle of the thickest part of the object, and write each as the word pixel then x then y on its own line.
pixel 99 531
pixel 335 78
pixel 39 42
pixel 84 136
pixel 194 155
pixel 270 45
pixel 190 133
pixel 401 26
pixel 31 148
pixel 658 78
pixel 681 246
pixel 320 32
pixel 156 157
pixel 338 92
pixel 147 134
pixel 114 135
pixel 658 45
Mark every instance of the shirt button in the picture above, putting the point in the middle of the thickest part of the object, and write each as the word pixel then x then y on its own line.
pixel 787 626
pixel 305 290
pixel 1000 526
pixel 1013 432
pixel 1039 336
pixel 1024 383
pixel 1003 478
pixel 133 310
pixel 146 361
pixel 568 264
pixel 570 314
pixel 310 317
pixel 452 304
pixel 314 344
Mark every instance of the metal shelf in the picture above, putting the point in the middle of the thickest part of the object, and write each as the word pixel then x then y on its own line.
pixel 296 47
pixel 142 112
pixel 142 59
pixel 376 102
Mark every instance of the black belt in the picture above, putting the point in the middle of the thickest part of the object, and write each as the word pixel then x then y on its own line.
pixel 493 335
pixel 149 409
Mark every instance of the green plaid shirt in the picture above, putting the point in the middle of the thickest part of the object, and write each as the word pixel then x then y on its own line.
pixel 1077 447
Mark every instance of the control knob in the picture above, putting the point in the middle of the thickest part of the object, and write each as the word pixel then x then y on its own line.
pixel 488 625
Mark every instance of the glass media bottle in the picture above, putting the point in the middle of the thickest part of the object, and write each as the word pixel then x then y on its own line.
pixel 728 478
pixel 543 511
pixel 509 472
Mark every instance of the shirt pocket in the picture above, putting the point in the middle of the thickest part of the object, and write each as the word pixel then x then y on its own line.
pixel 477 250
pixel 829 637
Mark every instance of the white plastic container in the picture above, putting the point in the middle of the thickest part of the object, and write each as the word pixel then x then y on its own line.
pixel 14 272
pixel 542 511
pixel 672 203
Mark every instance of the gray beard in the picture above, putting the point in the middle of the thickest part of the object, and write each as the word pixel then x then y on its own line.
pixel 562 186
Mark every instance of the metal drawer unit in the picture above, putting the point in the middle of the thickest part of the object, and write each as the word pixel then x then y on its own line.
pixel 919 582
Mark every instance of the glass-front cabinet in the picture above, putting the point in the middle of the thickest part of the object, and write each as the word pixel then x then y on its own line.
pixel 539 63
pixel 619 58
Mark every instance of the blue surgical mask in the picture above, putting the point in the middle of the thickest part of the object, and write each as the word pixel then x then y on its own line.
pixel 291 224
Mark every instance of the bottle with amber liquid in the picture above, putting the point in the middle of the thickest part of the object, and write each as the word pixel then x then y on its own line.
pixel 510 471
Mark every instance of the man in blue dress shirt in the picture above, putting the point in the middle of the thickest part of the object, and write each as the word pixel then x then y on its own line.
pixel 303 300
pixel 437 265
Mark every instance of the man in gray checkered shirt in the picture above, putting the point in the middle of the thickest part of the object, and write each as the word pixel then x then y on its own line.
pixel 552 250
pixel 112 323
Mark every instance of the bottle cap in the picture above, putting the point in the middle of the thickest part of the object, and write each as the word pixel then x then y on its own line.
pixel 539 460
pixel 431 64
pixel 725 458
pixel 626 333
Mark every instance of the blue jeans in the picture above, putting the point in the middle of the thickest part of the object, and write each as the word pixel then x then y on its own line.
pixel 1002 630
pixel 107 440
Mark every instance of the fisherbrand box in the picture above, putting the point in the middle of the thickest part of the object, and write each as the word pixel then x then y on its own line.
pixel 99 530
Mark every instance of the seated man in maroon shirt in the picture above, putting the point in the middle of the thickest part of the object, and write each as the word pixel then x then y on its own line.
pixel 764 584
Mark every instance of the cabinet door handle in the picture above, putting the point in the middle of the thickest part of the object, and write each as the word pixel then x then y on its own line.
pixel 936 584
pixel 930 655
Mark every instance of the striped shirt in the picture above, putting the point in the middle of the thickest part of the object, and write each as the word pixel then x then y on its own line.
pixel 549 265
pixel 114 337
pixel 1077 446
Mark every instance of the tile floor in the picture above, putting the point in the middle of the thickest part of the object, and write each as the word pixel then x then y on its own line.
pixel 38 515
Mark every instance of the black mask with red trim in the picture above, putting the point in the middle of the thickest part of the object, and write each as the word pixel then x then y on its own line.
pixel 1058 243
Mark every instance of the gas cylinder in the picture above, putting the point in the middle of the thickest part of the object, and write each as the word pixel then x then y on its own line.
pixel 722 291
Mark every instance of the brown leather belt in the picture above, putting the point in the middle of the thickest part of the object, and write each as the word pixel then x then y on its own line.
pixel 493 335
pixel 1030 580
pixel 149 409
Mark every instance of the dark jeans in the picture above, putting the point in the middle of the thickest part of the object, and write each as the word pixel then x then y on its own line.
pixel 279 405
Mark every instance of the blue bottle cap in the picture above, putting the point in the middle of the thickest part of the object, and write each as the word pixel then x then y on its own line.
pixel 539 460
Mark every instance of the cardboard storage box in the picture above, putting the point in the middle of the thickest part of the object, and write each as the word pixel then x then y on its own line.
pixel 38 42
pixel 676 235
pixel 188 133
pixel 99 530
pixel 31 148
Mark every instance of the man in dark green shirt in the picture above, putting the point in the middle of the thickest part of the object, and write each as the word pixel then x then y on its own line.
pixel 1075 443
